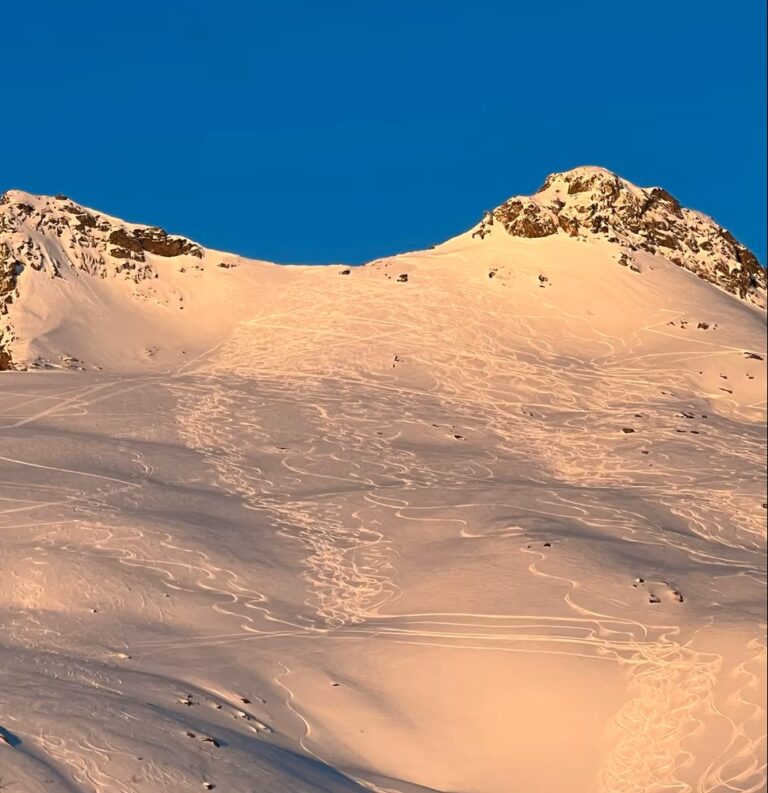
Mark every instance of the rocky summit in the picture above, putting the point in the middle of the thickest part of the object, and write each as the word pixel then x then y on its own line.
pixel 588 203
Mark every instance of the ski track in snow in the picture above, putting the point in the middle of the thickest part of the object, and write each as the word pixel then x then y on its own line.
pixel 328 470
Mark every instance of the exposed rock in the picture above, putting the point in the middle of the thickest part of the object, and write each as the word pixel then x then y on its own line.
pixel 569 225
pixel 85 241
pixel 157 241
pixel 128 245
pixel 592 202
pixel 133 244
pixel 10 270
pixel 522 217
pixel 91 241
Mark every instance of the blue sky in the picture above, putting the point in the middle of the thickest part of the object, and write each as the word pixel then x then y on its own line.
pixel 330 131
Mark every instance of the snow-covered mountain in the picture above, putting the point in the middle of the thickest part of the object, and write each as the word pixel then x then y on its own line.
pixel 55 252
pixel 592 202
pixel 484 518
pixel 53 248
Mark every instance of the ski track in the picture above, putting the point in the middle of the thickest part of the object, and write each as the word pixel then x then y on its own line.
pixel 349 476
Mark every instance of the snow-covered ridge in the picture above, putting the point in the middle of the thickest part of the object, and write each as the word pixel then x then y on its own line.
pixel 54 245
pixel 587 202
pixel 60 239
pixel 87 240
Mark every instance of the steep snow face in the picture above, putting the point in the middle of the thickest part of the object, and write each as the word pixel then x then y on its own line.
pixel 591 202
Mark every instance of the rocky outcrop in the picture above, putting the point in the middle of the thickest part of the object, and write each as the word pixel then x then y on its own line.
pixel 10 270
pixel 588 203
pixel 126 245
pixel 135 243
pixel 91 242
pixel 56 236
pixel 521 218
pixel 61 239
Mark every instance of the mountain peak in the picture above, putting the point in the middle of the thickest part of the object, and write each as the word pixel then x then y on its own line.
pixel 593 204
pixel 21 197
pixel 62 240
pixel 581 178
pixel 90 241
pixel 52 244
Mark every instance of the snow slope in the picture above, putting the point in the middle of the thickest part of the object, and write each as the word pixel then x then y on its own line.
pixel 486 518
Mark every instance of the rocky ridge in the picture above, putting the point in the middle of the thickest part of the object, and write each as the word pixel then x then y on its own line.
pixel 56 236
pixel 61 239
pixel 589 203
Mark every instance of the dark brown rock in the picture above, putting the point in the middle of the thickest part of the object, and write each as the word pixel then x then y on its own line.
pixel 127 245
pixel 524 218
pixel 132 245
pixel 569 225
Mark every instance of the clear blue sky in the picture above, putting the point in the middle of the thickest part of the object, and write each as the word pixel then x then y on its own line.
pixel 342 130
